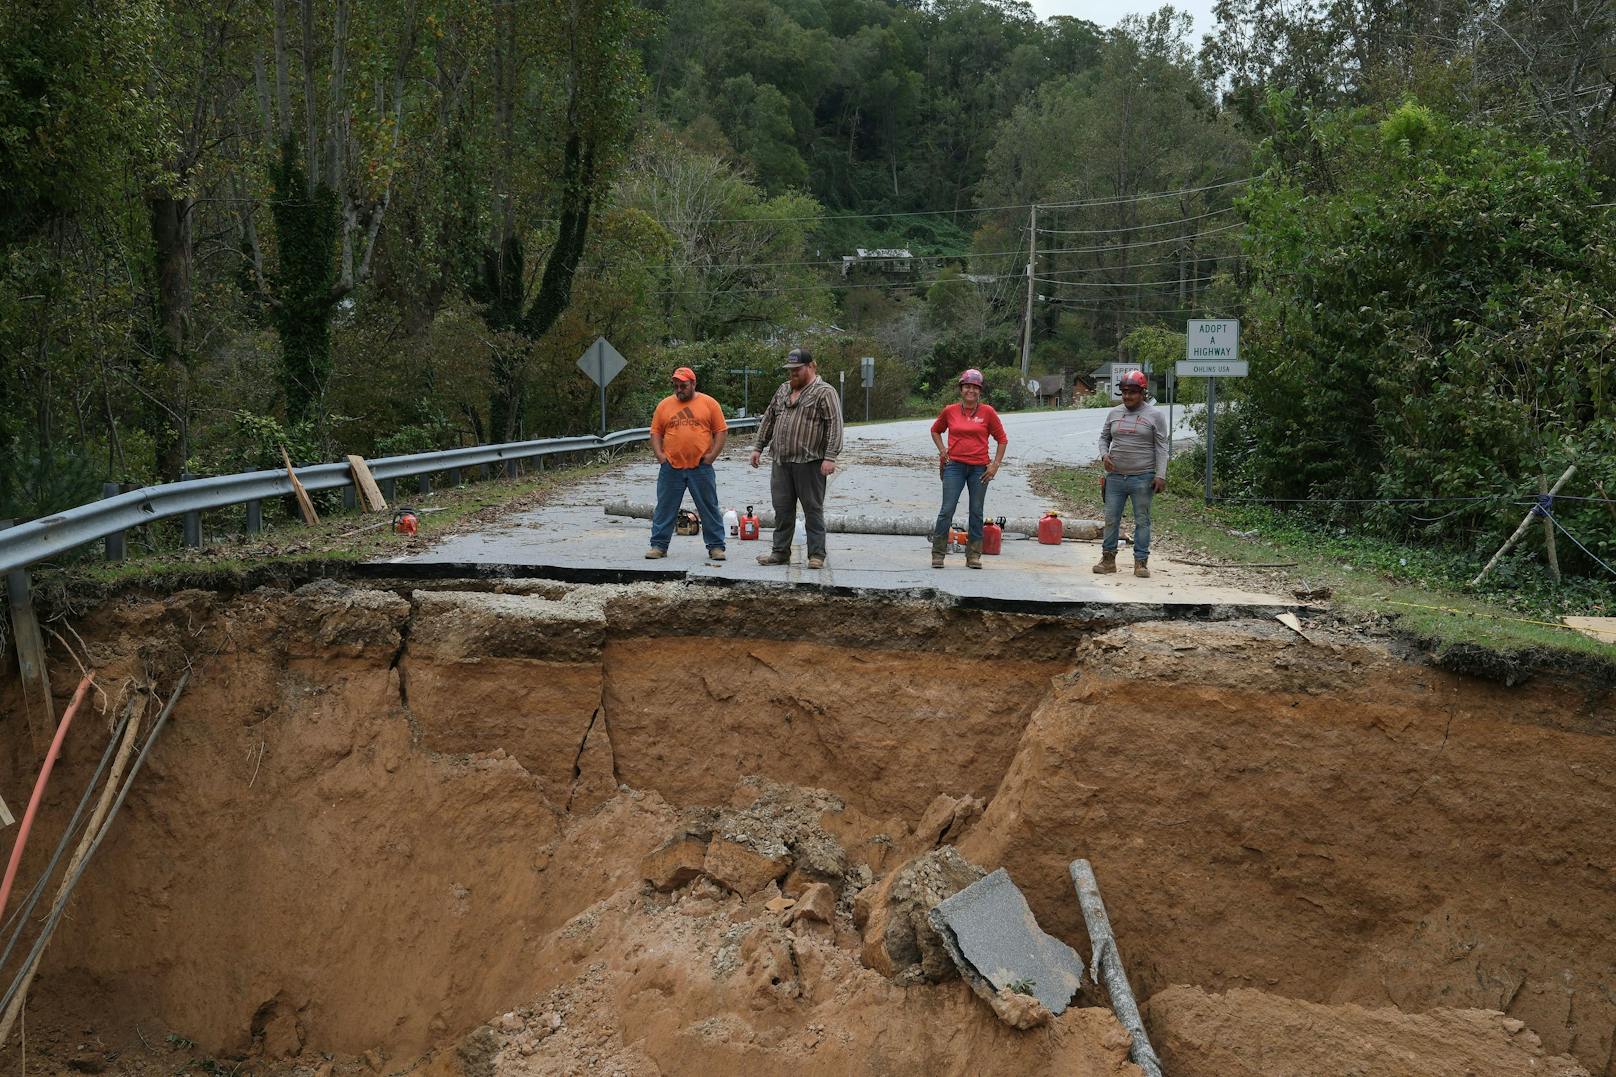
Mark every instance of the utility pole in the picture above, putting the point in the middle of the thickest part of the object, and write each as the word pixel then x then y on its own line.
pixel 1026 328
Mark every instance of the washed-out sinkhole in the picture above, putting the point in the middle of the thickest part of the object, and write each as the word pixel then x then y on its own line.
pixel 375 811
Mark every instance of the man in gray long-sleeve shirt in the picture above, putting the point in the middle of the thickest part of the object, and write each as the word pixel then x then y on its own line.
pixel 1133 449
pixel 803 426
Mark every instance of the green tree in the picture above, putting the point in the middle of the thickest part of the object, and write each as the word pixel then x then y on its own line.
pixel 1422 315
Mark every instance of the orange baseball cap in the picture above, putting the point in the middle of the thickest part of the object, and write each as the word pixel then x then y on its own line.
pixel 684 373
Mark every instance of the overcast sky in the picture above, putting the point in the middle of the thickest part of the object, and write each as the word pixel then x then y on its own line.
pixel 1107 12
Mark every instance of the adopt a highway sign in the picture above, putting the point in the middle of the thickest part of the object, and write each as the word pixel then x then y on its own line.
pixel 1212 350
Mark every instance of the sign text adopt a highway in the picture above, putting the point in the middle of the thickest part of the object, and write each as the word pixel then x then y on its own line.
pixel 1212 350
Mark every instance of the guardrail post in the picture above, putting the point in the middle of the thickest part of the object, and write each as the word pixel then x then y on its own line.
pixel 389 490
pixel 350 498
pixel 193 520
pixel 116 547
pixel 454 477
pixel 30 647
pixel 255 517
pixel 423 483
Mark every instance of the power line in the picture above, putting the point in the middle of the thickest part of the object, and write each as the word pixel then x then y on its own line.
pixel 1143 197
pixel 973 209
pixel 1143 243
pixel 1131 227
pixel 1124 284
pixel 1109 269
pixel 978 279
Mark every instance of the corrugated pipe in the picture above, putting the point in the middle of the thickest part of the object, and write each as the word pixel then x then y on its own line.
pixel 846 523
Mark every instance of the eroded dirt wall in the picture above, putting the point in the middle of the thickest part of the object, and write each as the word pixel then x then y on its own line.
pixel 888 730
pixel 355 831
pixel 1326 823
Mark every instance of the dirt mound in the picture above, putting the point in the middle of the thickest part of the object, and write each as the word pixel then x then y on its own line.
pixel 705 983
pixel 1325 822
pixel 1247 1033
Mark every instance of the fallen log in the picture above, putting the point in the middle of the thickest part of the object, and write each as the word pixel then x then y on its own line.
pixel 847 523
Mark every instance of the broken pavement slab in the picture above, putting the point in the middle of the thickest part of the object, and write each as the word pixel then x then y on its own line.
pixel 995 940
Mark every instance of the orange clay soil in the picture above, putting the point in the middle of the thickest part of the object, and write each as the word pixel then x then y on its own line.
pixel 412 831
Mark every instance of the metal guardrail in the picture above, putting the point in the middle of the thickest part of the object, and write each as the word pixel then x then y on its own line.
pixel 109 518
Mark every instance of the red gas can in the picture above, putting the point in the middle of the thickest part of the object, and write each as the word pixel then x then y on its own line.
pixel 1050 529
pixel 992 537
pixel 749 526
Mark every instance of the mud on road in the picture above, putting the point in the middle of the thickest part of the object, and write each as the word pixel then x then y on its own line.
pixel 654 829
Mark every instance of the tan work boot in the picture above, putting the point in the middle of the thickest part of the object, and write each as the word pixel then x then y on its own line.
pixel 1108 562
pixel 939 549
pixel 715 554
pixel 1141 569
pixel 772 558
pixel 653 553
pixel 973 555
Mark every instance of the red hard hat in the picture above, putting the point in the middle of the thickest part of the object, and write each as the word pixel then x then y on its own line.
pixel 972 376
pixel 1134 378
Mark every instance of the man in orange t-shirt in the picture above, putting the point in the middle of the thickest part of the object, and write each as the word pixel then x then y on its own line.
pixel 687 434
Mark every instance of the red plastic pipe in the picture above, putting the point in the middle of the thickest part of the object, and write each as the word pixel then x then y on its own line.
pixel 39 791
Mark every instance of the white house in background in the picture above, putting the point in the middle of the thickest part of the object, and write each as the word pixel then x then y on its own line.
pixel 879 260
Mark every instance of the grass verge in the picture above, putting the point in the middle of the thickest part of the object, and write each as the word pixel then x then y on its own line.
pixel 287 548
pixel 1507 625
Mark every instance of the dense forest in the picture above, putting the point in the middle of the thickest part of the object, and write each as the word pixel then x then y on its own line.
pixel 384 226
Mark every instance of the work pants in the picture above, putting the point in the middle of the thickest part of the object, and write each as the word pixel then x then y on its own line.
pixel 789 485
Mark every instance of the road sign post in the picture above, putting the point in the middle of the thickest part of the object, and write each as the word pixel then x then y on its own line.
pixel 1212 351
pixel 746 373
pixel 867 370
pixel 602 363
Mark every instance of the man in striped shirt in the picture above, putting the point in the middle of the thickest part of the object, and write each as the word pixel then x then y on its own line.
pixel 803 424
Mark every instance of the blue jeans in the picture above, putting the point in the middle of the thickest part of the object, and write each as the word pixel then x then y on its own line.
pixel 671 484
pixel 1118 489
pixel 958 477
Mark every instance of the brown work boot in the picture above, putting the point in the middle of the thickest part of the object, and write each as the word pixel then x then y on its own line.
pixel 1108 562
pixel 939 549
pixel 973 555
pixel 1141 569
pixel 772 558
pixel 653 553
pixel 815 561
pixel 715 554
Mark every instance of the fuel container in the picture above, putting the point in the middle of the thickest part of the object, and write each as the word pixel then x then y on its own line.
pixel 749 526
pixel 732 523
pixel 992 538
pixel 1051 530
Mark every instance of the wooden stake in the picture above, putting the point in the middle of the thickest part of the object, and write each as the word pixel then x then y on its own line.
pixel 304 505
pixel 366 483
pixel 38 704
pixel 1549 551
pixel 6 818
pixel 1520 531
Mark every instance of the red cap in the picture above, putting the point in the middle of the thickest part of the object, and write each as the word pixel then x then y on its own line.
pixel 684 373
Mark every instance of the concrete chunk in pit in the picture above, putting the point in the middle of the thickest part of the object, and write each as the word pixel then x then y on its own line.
pixel 991 934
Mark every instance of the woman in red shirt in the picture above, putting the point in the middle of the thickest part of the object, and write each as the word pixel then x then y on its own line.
pixel 963 464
